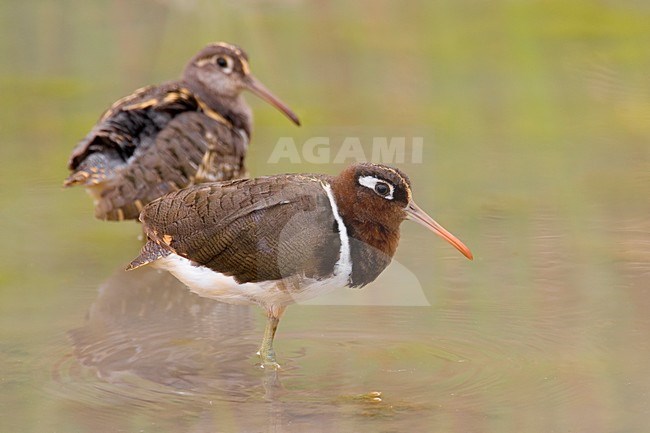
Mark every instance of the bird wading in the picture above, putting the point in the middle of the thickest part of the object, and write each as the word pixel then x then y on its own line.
pixel 277 240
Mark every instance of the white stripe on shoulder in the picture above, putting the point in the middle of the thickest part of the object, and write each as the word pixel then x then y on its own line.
pixel 344 264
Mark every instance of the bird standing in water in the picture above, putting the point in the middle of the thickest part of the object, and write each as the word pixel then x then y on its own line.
pixel 277 240
pixel 163 138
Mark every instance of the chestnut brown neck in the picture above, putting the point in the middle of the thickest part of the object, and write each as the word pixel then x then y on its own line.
pixel 373 230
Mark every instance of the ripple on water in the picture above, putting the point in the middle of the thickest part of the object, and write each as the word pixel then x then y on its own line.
pixel 147 339
pixel 148 342
pixel 459 363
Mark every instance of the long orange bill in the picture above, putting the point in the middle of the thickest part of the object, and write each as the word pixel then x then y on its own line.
pixel 416 214
pixel 255 86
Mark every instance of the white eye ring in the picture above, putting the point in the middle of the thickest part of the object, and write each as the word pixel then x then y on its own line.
pixel 228 67
pixel 371 182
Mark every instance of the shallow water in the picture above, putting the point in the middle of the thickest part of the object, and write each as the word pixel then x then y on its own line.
pixel 535 120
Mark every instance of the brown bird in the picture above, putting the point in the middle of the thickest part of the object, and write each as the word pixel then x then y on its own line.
pixel 162 138
pixel 277 240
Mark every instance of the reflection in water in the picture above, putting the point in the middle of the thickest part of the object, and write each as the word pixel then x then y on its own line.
pixel 148 326
pixel 150 343
pixel 535 118
pixel 151 347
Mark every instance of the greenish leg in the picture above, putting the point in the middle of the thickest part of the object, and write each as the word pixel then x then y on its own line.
pixel 266 352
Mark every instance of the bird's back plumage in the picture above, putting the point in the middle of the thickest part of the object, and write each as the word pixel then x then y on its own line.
pixel 150 143
pixel 264 229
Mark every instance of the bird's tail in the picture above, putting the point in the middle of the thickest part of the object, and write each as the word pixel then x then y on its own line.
pixel 76 178
pixel 150 252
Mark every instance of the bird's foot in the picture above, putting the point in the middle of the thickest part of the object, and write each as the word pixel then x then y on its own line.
pixel 268 359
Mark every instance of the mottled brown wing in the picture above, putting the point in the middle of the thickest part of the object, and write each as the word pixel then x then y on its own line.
pixel 129 123
pixel 255 230
pixel 150 143
pixel 171 163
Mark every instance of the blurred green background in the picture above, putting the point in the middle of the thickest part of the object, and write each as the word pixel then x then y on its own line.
pixel 535 119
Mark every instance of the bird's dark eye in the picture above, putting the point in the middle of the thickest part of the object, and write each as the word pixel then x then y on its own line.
pixel 222 62
pixel 382 189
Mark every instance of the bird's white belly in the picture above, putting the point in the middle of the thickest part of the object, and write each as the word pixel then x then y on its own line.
pixel 210 284
pixel 295 288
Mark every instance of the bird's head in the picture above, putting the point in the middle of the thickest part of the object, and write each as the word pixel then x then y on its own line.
pixel 223 70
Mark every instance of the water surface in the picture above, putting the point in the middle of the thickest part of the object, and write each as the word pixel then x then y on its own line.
pixel 535 119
